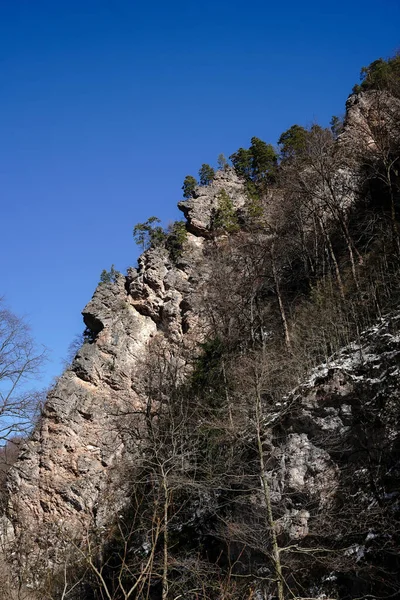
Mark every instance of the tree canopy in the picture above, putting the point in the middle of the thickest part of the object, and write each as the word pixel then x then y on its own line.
pixel 257 163
pixel 292 141
pixel 206 174
pixel 381 74
pixel 189 185
pixel 222 162
pixel 149 233
pixel 241 160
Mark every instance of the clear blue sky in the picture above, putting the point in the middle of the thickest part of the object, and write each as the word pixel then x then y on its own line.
pixel 106 105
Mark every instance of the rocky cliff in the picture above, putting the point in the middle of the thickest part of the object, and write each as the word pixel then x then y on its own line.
pixel 68 463
pixel 336 468
pixel 236 318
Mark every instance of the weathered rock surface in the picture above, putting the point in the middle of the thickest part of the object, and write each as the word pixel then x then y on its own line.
pixel 67 465
pixel 336 449
pixel 371 122
pixel 199 210
pixel 320 436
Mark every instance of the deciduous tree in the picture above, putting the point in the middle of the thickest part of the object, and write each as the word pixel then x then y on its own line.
pixel 20 364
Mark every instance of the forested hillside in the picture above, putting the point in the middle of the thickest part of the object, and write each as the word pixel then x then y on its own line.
pixel 229 427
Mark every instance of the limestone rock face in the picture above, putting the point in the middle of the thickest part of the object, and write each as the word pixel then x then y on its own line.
pixel 199 210
pixel 63 468
pixel 371 122
pixel 336 431
pixel 68 474
pixel 66 470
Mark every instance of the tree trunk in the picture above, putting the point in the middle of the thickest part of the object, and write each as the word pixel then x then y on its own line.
pixel 280 302
pixel 267 497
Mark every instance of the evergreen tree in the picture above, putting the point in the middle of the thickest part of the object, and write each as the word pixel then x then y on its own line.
pixel 264 160
pixel 336 124
pixel 258 163
pixel 225 216
pixel 242 163
pixel 206 174
pixel 222 162
pixel 177 235
pixel 292 142
pixel 189 186
pixel 109 276
pixel 149 235
pixel 381 75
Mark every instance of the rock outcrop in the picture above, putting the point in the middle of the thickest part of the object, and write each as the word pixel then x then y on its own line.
pixel 68 463
pixel 371 123
pixel 332 444
pixel 337 453
pixel 347 404
pixel 199 209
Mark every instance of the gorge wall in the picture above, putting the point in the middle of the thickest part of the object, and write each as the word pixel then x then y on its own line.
pixel 277 294
pixel 67 465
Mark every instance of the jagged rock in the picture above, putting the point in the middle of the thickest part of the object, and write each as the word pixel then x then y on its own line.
pixel 68 476
pixel 306 468
pixel 199 210
pixel 333 425
pixel 68 464
pixel 371 122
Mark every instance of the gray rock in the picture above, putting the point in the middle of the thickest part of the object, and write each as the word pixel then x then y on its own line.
pixel 198 210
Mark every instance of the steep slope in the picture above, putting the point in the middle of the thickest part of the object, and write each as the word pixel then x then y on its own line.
pixel 68 463
pixel 336 466
pixel 270 285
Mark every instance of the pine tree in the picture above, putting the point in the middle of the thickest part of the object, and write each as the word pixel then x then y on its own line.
pixel 222 162
pixel 242 163
pixel 149 235
pixel 264 160
pixel 206 174
pixel 189 186
pixel 292 142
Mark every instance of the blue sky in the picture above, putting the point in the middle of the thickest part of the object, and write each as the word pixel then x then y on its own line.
pixel 106 105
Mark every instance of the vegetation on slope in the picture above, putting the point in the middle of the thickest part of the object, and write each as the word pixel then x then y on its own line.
pixel 289 286
pixel 282 297
pixel 381 75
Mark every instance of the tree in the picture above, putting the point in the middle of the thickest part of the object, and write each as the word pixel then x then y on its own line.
pixel 206 174
pixel 257 164
pixel 222 162
pixel 189 186
pixel 264 160
pixel 20 363
pixel 109 276
pixel 225 216
pixel 381 75
pixel 242 163
pixel 176 237
pixel 321 181
pixel 292 142
pixel 374 141
pixel 148 234
pixel 337 125
pixel 8 455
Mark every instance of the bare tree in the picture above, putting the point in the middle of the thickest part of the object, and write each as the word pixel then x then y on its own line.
pixel 374 139
pixel 20 363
